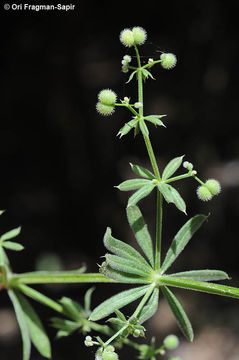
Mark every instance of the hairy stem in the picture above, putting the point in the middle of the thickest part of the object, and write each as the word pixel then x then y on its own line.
pixel 54 278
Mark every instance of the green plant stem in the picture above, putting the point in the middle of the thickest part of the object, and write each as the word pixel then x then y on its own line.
pixel 198 180
pixel 158 230
pixel 54 278
pixel 143 301
pixel 151 64
pixel 135 314
pixel 130 107
pixel 116 335
pixel 159 212
pixel 179 177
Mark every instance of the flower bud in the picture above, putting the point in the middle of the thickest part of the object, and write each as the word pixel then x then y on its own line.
pixel 127 37
pixel 139 34
pixel 127 58
pixel 107 97
pixel 138 105
pixel 88 341
pixel 213 186
pixel 125 68
pixel 104 110
pixel 169 60
pixel 109 354
pixel 171 342
pixel 187 165
pixel 203 193
pixel 98 354
pixel 136 333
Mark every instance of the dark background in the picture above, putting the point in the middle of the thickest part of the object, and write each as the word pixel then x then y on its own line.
pixel 60 159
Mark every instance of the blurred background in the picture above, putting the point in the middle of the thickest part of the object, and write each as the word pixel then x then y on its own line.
pixel 60 159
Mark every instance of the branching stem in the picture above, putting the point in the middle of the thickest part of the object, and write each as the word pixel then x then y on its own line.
pixel 154 164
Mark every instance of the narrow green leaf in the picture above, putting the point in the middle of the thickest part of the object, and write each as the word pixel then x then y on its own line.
pixel 171 195
pixel 122 277
pixel 2 256
pixel 147 74
pixel 22 322
pixel 172 167
pixel 179 313
pixel 155 119
pixel 143 128
pixel 132 184
pixel 150 308
pixel 117 301
pixel 202 275
pixel 131 76
pixel 139 170
pixel 11 234
pixel 12 245
pixel 116 321
pixel 202 286
pixel 120 315
pixel 181 239
pixel 2 211
pixel 127 127
pixel 37 332
pixel 130 266
pixel 140 194
pixel 122 249
pixel 140 229
pixel 67 327
pixel 137 129
pixel 87 299
pixel 71 308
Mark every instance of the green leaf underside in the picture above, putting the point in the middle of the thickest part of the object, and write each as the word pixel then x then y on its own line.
pixel 150 308
pixel 131 266
pixel 37 332
pixel 181 239
pixel 117 301
pixel 141 171
pixel 122 249
pixel 202 286
pixel 141 193
pixel 143 128
pixel 202 275
pixel 155 119
pixel 133 184
pixel 127 127
pixel 179 313
pixel 11 245
pixel 11 234
pixel 26 341
pixel 172 167
pixel 171 195
pixel 122 277
pixel 140 229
